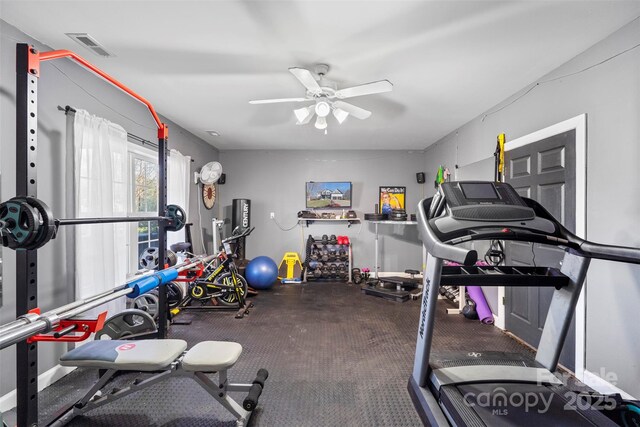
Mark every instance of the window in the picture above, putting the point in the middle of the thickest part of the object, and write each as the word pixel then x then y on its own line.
pixel 144 171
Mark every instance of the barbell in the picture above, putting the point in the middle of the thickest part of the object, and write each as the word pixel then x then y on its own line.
pixel 28 223
pixel 34 323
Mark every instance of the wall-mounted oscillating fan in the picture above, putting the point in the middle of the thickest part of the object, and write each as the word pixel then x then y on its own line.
pixel 209 173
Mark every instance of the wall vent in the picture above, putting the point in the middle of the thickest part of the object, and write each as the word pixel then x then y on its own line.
pixel 90 43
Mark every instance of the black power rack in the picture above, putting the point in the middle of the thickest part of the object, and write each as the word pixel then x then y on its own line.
pixel 28 61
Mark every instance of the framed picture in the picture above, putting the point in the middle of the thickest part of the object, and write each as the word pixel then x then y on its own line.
pixel 391 197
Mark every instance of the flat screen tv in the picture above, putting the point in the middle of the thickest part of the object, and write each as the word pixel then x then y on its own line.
pixel 322 195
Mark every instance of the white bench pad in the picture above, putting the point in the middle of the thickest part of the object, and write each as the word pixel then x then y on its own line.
pixel 210 356
pixel 142 355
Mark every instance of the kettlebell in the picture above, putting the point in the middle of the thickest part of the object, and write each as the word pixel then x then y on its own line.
pixel 469 311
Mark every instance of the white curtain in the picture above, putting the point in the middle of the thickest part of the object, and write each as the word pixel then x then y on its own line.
pixel 101 183
pixel 178 172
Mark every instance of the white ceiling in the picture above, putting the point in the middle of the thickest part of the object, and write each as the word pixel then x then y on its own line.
pixel 200 62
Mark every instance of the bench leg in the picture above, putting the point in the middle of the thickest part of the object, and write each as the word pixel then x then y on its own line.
pixel 220 394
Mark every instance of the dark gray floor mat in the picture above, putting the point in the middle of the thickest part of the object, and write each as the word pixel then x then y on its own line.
pixel 335 358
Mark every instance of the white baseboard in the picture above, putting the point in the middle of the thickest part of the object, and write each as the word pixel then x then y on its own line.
pixel 8 401
pixel 602 386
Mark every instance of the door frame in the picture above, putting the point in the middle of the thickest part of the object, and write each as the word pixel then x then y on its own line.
pixel 579 124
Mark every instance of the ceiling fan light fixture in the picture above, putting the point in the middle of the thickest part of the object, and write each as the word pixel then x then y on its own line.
pixel 321 123
pixel 323 109
pixel 302 114
pixel 340 115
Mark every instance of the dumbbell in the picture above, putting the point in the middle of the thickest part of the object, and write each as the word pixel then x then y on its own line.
pixel 325 256
pixel 342 271
pixel 325 271
pixel 315 264
pixel 333 240
pixel 325 239
pixel 317 272
pixel 333 269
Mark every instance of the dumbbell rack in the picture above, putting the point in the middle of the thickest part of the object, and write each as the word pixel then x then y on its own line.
pixel 323 251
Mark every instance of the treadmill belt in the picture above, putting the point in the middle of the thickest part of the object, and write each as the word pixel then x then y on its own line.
pixel 511 405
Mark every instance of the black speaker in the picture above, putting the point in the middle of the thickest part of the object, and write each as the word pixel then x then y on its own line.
pixel 223 178
pixel 419 177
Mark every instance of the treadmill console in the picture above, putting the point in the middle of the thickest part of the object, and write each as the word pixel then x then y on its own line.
pixel 480 201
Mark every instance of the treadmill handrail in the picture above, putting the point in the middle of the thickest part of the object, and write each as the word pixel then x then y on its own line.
pixel 438 249
pixel 564 237
pixel 585 247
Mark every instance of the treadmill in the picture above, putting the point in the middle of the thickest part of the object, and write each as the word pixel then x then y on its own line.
pixel 495 388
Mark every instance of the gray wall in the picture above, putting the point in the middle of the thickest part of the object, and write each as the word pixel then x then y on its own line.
pixel 610 95
pixel 275 182
pixel 65 83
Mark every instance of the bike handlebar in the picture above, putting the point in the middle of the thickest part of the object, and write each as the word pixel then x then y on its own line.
pixel 245 233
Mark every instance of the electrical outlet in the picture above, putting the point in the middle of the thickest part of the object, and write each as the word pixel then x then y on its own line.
pixel 272 215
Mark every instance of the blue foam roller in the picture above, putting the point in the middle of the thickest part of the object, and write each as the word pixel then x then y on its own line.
pixel 145 284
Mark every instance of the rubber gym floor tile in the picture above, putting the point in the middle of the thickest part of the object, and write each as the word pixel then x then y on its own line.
pixel 335 357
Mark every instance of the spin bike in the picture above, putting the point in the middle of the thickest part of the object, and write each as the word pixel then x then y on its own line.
pixel 219 282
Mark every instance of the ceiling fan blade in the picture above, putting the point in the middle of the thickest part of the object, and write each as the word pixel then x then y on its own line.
pixel 365 89
pixel 307 79
pixel 357 112
pixel 276 100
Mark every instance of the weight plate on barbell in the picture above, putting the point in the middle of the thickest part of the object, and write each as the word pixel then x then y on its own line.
pixel 177 218
pixel 48 228
pixel 21 221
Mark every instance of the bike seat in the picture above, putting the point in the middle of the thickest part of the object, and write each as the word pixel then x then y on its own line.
pixel 180 247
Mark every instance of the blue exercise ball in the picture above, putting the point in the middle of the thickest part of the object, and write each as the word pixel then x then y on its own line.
pixel 261 272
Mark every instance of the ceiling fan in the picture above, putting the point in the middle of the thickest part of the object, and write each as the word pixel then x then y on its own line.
pixel 327 98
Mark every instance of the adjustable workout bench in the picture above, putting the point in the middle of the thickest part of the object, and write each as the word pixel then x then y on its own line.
pixel 167 358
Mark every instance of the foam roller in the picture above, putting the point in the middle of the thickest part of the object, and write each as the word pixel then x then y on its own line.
pixel 251 401
pixel 261 377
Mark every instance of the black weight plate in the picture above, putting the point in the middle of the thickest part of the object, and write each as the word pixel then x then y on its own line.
pixel 48 228
pixel 22 222
pixel 177 216
pixel 373 217
pixel 174 294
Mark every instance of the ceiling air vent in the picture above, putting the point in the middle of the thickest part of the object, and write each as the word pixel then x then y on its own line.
pixel 90 43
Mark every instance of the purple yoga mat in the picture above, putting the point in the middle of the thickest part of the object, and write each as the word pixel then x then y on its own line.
pixel 484 312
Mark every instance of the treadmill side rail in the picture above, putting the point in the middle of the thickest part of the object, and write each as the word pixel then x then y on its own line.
pixel 492 373
pixel 426 405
